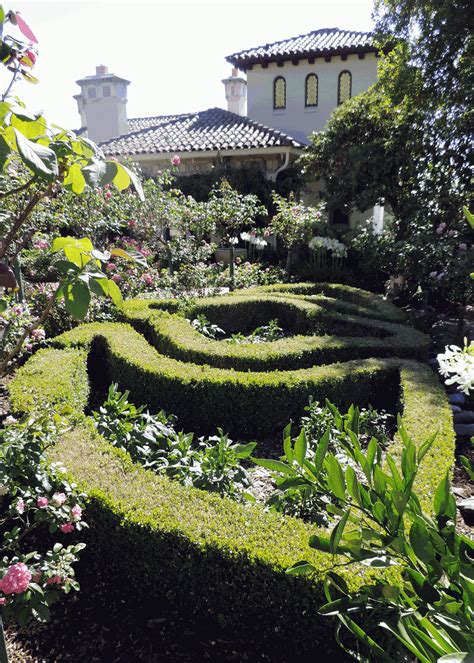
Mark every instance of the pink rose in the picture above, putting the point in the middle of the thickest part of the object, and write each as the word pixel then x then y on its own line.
pixel 111 266
pixel 76 512
pixel 67 528
pixel 59 498
pixel 16 579
pixel 147 278
pixel 38 334
pixel 3 601
pixel 20 506
pixel 176 160
pixel 42 502
pixel 451 233
pixel 108 195
pixel 54 580
pixel 116 278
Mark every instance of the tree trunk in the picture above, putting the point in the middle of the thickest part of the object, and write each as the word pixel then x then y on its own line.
pixel 288 262
pixel 232 267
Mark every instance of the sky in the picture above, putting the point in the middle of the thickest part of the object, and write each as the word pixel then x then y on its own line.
pixel 172 52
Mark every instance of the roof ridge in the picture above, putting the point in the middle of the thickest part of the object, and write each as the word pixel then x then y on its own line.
pixel 306 34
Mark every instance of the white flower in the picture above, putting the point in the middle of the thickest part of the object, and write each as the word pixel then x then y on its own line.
pixel 246 237
pixel 9 421
pixel 234 240
pixel 3 489
pixel 457 366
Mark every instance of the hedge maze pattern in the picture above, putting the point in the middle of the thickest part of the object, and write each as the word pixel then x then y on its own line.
pixel 204 553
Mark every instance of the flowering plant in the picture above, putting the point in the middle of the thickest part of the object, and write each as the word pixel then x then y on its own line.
pixel 35 496
pixel 337 248
pixel 457 366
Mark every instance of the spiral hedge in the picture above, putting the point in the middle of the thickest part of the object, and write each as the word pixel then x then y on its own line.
pixel 205 554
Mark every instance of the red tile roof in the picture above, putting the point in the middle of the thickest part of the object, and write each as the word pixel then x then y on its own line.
pixel 319 43
pixel 210 130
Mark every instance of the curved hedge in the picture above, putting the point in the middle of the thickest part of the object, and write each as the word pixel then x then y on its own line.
pixel 206 554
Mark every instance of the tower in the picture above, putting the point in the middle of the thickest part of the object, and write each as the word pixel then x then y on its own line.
pixel 236 93
pixel 102 105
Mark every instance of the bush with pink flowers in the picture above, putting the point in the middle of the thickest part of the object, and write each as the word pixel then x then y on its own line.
pixel 37 506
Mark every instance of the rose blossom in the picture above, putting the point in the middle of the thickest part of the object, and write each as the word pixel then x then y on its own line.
pixel 38 334
pixel 59 498
pixel 20 506
pixel 3 601
pixel 16 579
pixel 176 160
pixel 54 580
pixel 116 278
pixel 108 195
pixel 111 266
pixel 42 502
pixel 67 528
pixel 76 512
pixel 147 278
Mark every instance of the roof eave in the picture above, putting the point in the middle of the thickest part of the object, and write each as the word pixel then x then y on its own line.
pixel 245 63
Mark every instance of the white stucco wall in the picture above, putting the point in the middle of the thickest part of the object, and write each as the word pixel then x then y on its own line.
pixel 295 119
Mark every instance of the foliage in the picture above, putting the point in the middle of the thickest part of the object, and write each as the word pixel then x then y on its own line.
pixel 205 327
pixel 212 464
pixel 323 426
pixel 382 523
pixel 35 497
pixel 403 143
pixel 294 224
pixel 212 556
pixel 262 334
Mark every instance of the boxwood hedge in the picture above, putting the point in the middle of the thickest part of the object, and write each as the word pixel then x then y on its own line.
pixel 205 554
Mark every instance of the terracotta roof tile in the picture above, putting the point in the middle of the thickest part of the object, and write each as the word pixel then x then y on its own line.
pixel 328 41
pixel 209 130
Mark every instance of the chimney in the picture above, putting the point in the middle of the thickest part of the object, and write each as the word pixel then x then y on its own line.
pixel 102 104
pixel 236 93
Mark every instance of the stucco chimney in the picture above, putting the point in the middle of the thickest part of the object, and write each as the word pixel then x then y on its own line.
pixel 102 104
pixel 236 93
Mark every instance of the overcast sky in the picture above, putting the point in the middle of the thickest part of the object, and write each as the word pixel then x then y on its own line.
pixel 172 52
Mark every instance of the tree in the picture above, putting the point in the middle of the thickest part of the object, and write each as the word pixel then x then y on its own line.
pixel 232 212
pixel 294 224
pixel 405 141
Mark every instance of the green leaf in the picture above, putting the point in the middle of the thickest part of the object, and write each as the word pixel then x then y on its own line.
pixel 94 172
pixel 335 478
pixel 77 298
pixel 75 180
pixel 468 466
pixel 319 543
pixel 300 568
pixel 3 305
pixel 469 216
pixel 124 174
pixel 38 158
pixel 29 128
pixel 321 450
pixel 337 533
pixel 244 450
pixel 422 586
pixel 300 448
pixel 352 484
pixel 441 498
pixel 420 542
pixel 275 466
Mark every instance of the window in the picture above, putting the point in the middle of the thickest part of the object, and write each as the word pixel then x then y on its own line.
pixel 91 93
pixel 106 91
pixel 279 93
pixel 344 88
pixel 311 90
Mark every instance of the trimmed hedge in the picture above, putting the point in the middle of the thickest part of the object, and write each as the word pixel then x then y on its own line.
pixel 207 555
pixel 344 337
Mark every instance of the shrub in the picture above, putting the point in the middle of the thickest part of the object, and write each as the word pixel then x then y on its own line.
pixel 206 554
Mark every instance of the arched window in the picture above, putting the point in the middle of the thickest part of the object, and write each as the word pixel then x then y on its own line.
pixel 344 87
pixel 311 90
pixel 279 93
